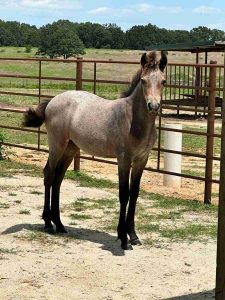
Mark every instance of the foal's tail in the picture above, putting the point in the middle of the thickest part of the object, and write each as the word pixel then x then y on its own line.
pixel 35 117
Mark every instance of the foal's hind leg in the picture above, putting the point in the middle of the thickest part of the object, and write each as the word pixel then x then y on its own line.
pixel 136 173
pixel 46 216
pixel 49 174
pixel 61 168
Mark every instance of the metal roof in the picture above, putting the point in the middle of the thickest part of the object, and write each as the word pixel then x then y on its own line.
pixel 204 46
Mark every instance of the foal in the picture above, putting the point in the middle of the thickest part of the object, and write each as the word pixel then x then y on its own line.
pixel 123 129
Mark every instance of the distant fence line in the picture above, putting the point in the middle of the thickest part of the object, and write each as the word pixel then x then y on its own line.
pixel 196 88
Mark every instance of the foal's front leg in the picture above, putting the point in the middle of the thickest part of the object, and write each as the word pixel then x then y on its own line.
pixel 124 166
pixel 137 170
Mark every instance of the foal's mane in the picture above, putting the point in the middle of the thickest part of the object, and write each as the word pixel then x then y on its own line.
pixel 134 82
pixel 152 62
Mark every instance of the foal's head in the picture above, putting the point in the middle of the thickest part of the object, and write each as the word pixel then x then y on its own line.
pixel 153 79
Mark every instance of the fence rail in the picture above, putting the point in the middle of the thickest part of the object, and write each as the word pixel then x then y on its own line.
pixel 198 81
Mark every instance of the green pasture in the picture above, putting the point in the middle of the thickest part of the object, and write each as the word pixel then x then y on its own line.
pixel 123 72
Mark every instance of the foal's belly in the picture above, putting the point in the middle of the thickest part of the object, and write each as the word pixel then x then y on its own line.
pixel 100 152
pixel 94 146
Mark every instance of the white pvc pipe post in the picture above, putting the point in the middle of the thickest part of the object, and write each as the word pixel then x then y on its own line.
pixel 172 162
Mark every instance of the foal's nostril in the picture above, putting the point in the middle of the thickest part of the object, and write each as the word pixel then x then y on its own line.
pixel 153 106
pixel 149 106
pixel 157 107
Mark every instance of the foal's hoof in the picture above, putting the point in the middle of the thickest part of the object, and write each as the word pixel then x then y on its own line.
pixel 61 229
pixel 136 242
pixel 127 247
pixel 49 230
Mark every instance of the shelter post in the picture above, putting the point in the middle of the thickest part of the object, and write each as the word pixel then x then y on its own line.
pixel 210 132
pixel 197 79
pixel 220 264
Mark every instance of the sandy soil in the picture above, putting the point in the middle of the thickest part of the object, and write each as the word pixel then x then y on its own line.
pixel 88 263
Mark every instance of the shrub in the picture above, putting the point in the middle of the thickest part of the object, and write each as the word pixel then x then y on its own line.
pixel 28 48
pixel 2 152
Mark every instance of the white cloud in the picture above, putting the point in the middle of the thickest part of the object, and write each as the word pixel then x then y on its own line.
pixel 41 4
pixel 207 10
pixel 9 3
pixel 111 11
pixel 141 8
pixel 101 10
pixel 149 8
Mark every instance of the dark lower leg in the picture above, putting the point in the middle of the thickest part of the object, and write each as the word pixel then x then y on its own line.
pixel 61 168
pixel 130 222
pixel 46 215
pixel 55 212
pixel 124 172
pixel 121 228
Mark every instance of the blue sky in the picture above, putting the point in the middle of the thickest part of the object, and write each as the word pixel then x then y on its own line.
pixel 170 14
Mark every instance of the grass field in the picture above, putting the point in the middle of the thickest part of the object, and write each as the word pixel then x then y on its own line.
pixel 122 72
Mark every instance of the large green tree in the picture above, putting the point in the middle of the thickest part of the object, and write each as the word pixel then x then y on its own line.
pixel 116 36
pixel 6 38
pixel 93 35
pixel 18 34
pixel 60 39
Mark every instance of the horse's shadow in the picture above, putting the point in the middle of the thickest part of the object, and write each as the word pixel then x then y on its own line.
pixel 107 241
pixel 202 295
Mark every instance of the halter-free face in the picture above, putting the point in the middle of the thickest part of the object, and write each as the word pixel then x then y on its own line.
pixel 153 79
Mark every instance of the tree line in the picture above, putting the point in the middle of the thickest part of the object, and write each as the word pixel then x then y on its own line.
pixel 65 38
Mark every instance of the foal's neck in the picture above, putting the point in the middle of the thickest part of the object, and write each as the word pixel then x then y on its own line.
pixel 142 120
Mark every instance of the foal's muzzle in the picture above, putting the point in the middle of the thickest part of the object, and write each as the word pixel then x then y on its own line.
pixel 153 107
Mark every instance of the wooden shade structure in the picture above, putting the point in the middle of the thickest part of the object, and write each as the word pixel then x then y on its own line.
pixel 199 47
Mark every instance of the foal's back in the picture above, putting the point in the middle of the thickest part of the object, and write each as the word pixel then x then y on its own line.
pixel 96 125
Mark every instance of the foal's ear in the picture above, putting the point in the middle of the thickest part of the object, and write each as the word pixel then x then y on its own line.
pixel 144 59
pixel 163 61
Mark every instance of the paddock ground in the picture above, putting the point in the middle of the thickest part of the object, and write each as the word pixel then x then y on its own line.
pixel 87 263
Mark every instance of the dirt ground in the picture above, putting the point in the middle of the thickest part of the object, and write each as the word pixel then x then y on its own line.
pixel 88 263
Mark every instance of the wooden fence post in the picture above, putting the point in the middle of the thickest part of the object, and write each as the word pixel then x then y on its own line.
pixel 79 75
pixel 220 263
pixel 210 131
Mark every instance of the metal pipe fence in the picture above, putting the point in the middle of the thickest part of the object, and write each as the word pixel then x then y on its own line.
pixel 193 88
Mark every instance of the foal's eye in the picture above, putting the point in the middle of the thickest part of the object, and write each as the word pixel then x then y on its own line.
pixel 163 82
pixel 143 81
